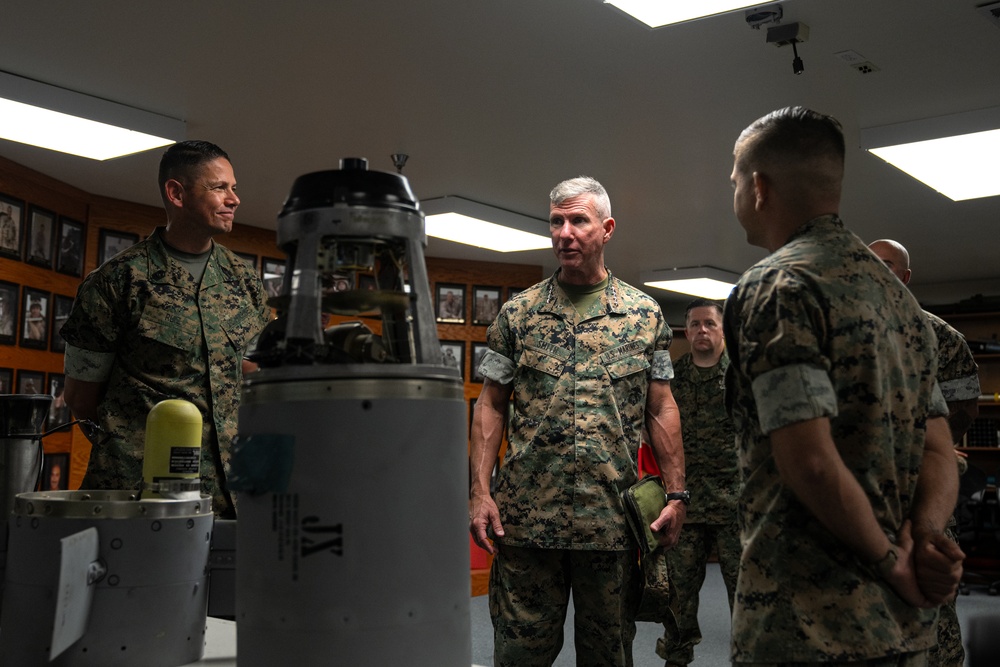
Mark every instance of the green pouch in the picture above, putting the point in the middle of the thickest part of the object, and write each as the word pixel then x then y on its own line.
pixel 643 502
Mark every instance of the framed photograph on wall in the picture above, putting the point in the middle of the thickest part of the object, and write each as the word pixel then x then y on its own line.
pixel 248 258
pixel 485 304
pixel 61 305
pixel 30 382
pixel 449 302
pixel 478 350
pixel 59 413
pixel 6 380
pixel 9 293
pixel 110 242
pixel 35 318
pixel 40 237
pixel 70 242
pixel 11 226
pixel 453 352
pixel 55 472
pixel 272 272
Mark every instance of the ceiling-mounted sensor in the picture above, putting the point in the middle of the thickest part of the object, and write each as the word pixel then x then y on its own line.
pixel 758 16
pixel 790 33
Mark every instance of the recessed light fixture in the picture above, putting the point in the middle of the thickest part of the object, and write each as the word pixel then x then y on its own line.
pixel 957 155
pixel 705 281
pixel 465 221
pixel 63 120
pixel 657 13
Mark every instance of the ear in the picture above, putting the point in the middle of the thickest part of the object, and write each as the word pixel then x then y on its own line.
pixel 761 190
pixel 609 228
pixel 174 191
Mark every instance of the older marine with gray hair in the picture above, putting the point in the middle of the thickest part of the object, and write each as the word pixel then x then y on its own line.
pixel 580 363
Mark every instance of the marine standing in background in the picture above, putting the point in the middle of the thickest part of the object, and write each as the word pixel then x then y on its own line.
pixel 170 317
pixel 958 377
pixel 712 478
pixel 846 459
pixel 580 360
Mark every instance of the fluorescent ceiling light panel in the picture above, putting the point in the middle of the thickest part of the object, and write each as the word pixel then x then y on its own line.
pixel 62 120
pixel 704 281
pixel 957 155
pixel 656 13
pixel 465 221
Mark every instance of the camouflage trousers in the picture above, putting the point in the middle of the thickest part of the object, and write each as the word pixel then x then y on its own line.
pixel 687 563
pixel 916 659
pixel 949 651
pixel 529 595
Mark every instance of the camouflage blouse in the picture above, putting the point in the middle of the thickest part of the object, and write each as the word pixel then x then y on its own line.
pixel 713 477
pixel 820 329
pixel 171 339
pixel 577 408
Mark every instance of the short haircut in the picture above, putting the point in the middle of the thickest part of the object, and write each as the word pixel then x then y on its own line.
pixel 795 143
pixel 583 185
pixel 182 158
pixel 900 249
pixel 702 303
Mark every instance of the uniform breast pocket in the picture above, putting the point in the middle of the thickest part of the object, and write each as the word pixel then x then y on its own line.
pixel 628 381
pixel 539 373
pixel 164 341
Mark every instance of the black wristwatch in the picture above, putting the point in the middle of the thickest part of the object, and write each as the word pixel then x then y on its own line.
pixel 683 496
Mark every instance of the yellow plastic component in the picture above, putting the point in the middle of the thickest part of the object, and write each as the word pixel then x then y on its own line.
pixel 173 444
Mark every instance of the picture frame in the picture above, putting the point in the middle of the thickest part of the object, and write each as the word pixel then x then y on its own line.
pixel 514 291
pixel 366 281
pixel 249 258
pixel 453 352
pixel 110 242
pixel 9 309
pixel 55 472
pixel 30 382
pixel 485 304
pixel 272 273
pixel 59 412
pixel 449 303
pixel 6 380
pixel 70 247
pixel 11 226
pixel 39 238
pixel 35 312
pixel 478 350
pixel 61 307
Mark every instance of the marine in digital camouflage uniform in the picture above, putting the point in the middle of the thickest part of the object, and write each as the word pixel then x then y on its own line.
pixel 712 478
pixel 576 365
pixel 143 329
pixel 958 377
pixel 840 424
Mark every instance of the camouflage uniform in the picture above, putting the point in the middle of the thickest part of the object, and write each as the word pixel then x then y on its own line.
pixel 578 403
pixel 958 377
pixel 713 480
pixel 820 329
pixel 172 339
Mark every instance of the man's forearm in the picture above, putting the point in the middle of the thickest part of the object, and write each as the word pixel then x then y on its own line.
pixel 487 435
pixel 937 486
pixel 663 425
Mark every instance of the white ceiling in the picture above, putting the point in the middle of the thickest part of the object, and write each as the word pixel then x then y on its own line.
pixel 497 100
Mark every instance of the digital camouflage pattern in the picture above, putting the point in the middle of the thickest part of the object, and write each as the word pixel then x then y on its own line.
pixel 531 585
pixel 171 339
pixel 714 482
pixel 958 374
pixel 577 409
pixel 820 329
pixel 958 377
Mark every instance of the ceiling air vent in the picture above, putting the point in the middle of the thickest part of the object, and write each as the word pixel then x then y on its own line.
pixel 991 12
